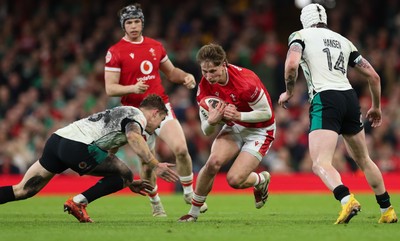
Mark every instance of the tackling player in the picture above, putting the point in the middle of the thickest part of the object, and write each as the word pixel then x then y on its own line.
pixel 87 146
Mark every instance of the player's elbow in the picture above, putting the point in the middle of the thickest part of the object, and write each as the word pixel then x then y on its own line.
pixel 374 79
pixel 110 92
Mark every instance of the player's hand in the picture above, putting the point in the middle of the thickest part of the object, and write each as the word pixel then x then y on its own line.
pixel 141 187
pixel 164 171
pixel 189 81
pixel 283 99
pixel 374 115
pixel 231 113
pixel 140 87
pixel 216 114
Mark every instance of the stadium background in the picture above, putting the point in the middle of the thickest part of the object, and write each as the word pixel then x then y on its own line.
pixel 52 67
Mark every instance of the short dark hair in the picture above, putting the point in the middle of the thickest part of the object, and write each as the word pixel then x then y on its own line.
pixel 213 53
pixel 154 101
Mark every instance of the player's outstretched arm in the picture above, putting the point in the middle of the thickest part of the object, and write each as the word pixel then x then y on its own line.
pixel 140 147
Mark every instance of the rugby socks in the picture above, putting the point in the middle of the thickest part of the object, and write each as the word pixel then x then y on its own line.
pixel 80 199
pixel 6 194
pixel 342 194
pixel 384 201
pixel 259 178
pixel 187 183
pixel 103 187
pixel 153 195
pixel 197 202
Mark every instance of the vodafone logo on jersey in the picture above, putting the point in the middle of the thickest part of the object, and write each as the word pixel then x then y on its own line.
pixel 146 67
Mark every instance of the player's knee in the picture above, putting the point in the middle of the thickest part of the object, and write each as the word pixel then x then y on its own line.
pixel 25 192
pixel 235 181
pixel 180 152
pixel 212 166
pixel 127 176
pixel 319 167
pixel 315 168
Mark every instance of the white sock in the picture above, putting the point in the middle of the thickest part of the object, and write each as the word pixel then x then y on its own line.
pixel 187 183
pixel 384 209
pixel 345 200
pixel 259 178
pixel 153 195
pixel 195 209
pixel 80 199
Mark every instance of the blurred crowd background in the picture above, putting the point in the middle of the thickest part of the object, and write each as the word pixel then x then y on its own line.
pixel 52 70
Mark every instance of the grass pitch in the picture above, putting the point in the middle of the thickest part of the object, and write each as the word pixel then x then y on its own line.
pixel 230 217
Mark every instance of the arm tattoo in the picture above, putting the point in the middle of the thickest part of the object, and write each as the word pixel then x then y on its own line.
pixel 290 84
pixel 134 127
pixel 363 63
pixel 295 48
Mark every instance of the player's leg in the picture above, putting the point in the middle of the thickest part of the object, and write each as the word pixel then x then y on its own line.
pixel 149 175
pixel 223 150
pixel 172 134
pixel 91 160
pixel 35 178
pixel 38 175
pixel 116 176
pixel 155 200
pixel 257 142
pixel 356 146
pixel 322 145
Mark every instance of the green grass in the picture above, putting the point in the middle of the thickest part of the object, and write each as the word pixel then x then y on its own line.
pixel 230 217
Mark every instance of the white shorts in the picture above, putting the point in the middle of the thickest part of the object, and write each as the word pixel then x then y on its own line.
pixel 151 138
pixel 255 141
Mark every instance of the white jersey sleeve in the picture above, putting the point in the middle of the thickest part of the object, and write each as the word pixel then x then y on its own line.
pixel 325 58
pixel 106 129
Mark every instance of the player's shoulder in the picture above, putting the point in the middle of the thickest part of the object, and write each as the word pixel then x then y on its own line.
pixel 116 46
pixel 241 72
pixel 148 40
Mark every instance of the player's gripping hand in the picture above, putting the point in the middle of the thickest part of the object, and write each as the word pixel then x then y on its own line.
pixel 140 87
pixel 141 187
pixel 164 171
pixel 216 114
pixel 189 81
pixel 231 113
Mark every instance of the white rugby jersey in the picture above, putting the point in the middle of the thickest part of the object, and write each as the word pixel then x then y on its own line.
pixel 106 129
pixel 325 57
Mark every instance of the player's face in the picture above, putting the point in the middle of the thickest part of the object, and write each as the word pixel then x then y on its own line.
pixel 155 121
pixel 133 28
pixel 213 74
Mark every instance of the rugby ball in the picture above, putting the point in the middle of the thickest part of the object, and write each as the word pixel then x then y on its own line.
pixel 206 102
